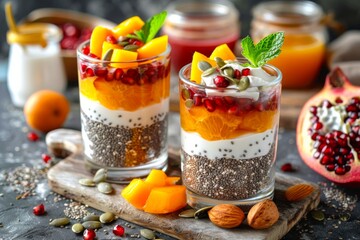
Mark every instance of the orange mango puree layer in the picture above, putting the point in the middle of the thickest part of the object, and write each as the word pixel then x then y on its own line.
pixel 220 125
pixel 300 60
pixel 116 95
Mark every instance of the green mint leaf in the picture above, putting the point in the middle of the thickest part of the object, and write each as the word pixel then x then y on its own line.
pixel 267 49
pixel 153 25
pixel 248 50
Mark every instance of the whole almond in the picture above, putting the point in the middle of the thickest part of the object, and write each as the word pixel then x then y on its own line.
pixel 298 192
pixel 226 215
pixel 263 214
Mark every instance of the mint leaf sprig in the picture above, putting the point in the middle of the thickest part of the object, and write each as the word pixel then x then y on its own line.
pixel 150 28
pixel 265 50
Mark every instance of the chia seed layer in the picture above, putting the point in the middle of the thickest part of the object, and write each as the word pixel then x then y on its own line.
pixel 228 178
pixel 115 145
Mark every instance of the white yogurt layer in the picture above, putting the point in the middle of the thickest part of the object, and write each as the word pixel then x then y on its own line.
pixel 244 147
pixel 141 117
pixel 259 77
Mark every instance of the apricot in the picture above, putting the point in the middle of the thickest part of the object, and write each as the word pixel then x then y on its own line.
pixel 46 110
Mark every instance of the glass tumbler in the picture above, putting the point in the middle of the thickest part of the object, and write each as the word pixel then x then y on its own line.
pixel 124 114
pixel 228 141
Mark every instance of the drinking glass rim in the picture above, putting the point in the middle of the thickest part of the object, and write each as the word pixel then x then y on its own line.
pixel 138 61
pixel 182 77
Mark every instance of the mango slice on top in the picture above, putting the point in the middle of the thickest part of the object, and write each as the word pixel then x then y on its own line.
pixel 98 36
pixel 125 58
pixel 195 71
pixel 223 51
pixel 107 46
pixel 128 26
pixel 153 48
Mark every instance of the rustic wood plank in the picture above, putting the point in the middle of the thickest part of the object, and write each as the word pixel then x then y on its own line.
pixel 63 179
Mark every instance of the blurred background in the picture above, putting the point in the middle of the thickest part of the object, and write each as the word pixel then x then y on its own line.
pixel 345 12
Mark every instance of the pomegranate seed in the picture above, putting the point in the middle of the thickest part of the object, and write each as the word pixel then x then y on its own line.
pixel 330 167
pixel 83 67
pixel 313 110
pixel 68 43
pixel 326 160
pixel 70 30
pixel 32 136
pixel 340 170
pixel 133 73
pixel 229 100
pixel 327 104
pixel 233 110
pixel 340 160
pixel 109 77
pixel 287 167
pixel 118 74
pixel 314 119
pixel 118 230
pixel 338 100
pixel 328 151
pixel 93 56
pixel 209 105
pixel 314 135
pixel 111 39
pixel 39 210
pixel 237 74
pixel 128 80
pixel 101 72
pixel 221 82
pixel 245 72
pixel 317 126
pixel 86 50
pixel 89 72
pixel 351 108
pixel 198 98
pixel 89 234
pixel 355 100
pixel 46 158
pixel 321 138
pixel 316 155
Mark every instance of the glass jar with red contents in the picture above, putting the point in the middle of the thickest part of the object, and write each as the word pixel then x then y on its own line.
pixel 200 26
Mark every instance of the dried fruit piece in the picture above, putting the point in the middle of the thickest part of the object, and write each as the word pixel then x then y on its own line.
pixel 226 215
pixel 298 192
pixel 263 214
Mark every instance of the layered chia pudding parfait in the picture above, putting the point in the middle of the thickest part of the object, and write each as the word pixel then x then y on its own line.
pixel 229 114
pixel 124 86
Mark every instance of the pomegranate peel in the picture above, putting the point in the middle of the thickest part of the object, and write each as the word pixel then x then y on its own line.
pixel 328 130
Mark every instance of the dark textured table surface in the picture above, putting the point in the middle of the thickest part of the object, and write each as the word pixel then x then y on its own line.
pixel 21 164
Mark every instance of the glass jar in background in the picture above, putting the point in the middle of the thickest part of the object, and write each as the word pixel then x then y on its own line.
pixel 200 26
pixel 303 51
pixel 34 61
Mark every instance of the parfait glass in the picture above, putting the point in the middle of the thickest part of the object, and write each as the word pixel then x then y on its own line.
pixel 228 141
pixel 124 114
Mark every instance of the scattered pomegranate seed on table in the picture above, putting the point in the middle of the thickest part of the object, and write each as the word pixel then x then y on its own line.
pixel 45 157
pixel 118 230
pixel 287 167
pixel 39 210
pixel 32 136
pixel 89 234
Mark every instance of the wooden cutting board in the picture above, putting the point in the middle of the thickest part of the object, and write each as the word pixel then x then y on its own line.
pixel 63 179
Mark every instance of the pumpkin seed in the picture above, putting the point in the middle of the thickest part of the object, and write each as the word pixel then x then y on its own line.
pixel 244 83
pixel 208 72
pixel 87 182
pixel 202 212
pixel 107 217
pixel 189 213
pixel 185 93
pixel 100 175
pixel 219 61
pixel 105 187
pixel 59 222
pixel 189 103
pixel 317 215
pixel 228 72
pixel 345 217
pixel 91 217
pixel 204 65
pixel 148 234
pixel 92 224
pixel 77 228
pixel 123 43
pixel 131 47
pixel 108 55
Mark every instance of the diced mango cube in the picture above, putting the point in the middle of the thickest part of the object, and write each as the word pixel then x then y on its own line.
pixel 128 26
pixel 157 178
pixel 136 193
pixel 97 38
pixel 124 58
pixel 107 46
pixel 223 51
pixel 153 48
pixel 195 71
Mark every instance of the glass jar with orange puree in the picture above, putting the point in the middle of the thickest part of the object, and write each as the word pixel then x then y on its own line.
pixel 303 50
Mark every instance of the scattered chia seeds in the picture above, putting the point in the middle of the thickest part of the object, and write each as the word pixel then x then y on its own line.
pixel 228 178
pixel 75 210
pixel 122 146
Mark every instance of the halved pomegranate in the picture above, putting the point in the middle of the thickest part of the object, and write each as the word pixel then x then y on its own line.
pixel 328 130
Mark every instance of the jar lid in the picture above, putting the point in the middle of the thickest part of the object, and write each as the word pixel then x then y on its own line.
pixel 34 34
pixel 288 12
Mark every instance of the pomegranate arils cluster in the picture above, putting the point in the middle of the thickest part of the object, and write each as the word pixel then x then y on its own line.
pixel 73 36
pixel 335 148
